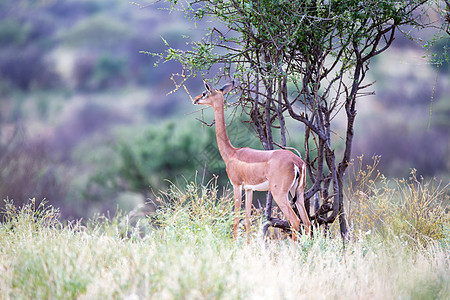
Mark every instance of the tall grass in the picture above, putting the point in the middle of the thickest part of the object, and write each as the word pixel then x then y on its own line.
pixel 414 209
pixel 185 251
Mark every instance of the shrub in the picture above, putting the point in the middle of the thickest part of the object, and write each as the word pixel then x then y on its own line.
pixel 94 73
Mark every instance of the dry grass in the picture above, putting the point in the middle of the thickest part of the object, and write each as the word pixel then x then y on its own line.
pixel 185 251
pixel 414 209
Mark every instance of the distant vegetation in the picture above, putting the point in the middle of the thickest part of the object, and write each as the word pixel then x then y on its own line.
pixel 86 122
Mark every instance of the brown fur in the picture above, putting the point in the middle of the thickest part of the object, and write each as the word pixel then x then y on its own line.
pixel 250 167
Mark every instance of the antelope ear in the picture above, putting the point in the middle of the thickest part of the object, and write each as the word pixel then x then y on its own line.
pixel 209 88
pixel 227 87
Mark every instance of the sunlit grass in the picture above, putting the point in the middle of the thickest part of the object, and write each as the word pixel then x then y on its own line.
pixel 414 209
pixel 185 251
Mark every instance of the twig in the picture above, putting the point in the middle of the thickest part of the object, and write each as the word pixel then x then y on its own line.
pixel 207 124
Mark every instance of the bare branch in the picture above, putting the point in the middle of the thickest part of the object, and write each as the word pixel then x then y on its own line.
pixel 205 123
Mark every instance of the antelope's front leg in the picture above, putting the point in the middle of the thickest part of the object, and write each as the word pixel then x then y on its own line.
pixel 237 207
pixel 248 211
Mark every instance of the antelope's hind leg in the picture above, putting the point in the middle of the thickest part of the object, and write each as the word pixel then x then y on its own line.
pixel 283 203
pixel 300 204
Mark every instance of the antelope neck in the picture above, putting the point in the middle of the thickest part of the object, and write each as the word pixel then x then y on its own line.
pixel 226 149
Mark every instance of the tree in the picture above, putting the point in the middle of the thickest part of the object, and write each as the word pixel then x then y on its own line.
pixel 304 59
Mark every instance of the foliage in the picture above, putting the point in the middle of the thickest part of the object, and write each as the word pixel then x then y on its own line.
pixel 440 57
pixel 437 47
pixel 186 252
pixel 296 30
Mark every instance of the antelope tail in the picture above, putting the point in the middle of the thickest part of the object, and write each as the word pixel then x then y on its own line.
pixel 288 148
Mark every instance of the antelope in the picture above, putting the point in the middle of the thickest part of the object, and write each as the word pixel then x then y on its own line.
pixel 279 171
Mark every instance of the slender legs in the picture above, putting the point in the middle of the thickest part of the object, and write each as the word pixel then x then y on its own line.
pixel 237 208
pixel 248 211
pixel 281 198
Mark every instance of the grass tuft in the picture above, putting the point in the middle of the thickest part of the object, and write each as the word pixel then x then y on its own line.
pixel 414 209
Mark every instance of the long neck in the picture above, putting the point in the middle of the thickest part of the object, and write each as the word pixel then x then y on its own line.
pixel 225 147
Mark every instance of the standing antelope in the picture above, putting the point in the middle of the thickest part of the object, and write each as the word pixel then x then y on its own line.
pixel 279 171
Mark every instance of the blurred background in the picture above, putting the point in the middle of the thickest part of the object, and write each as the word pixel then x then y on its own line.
pixel 89 124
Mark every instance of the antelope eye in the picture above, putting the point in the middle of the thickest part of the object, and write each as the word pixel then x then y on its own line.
pixel 204 94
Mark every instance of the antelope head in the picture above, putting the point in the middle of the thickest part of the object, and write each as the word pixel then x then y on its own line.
pixel 213 97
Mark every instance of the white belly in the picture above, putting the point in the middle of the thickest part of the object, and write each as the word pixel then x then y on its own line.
pixel 264 186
